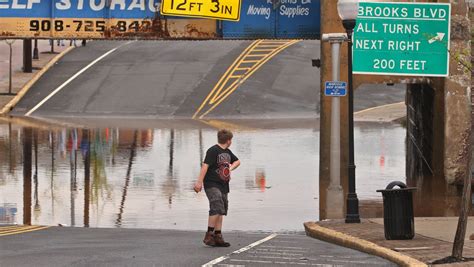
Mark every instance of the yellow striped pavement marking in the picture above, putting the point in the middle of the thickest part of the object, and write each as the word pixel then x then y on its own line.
pixel 14 230
pixel 8 227
pixel 226 125
pixel 247 63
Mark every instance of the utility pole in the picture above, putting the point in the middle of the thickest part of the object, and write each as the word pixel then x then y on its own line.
pixel 335 192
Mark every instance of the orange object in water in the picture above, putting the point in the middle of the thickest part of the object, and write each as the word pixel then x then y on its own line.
pixel 260 180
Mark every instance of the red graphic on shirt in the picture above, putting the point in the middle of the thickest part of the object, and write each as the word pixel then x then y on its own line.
pixel 223 166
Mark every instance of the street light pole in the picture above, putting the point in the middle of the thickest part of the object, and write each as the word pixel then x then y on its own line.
pixel 352 215
pixel 348 10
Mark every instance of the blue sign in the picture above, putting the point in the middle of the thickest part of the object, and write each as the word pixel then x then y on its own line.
pixel 276 19
pixel 335 89
pixel 298 19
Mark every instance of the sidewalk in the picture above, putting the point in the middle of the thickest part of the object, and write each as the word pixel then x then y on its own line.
pixel 384 113
pixel 19 78
pixel 433 239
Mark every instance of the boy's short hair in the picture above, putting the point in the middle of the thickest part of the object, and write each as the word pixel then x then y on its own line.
pixel 223 136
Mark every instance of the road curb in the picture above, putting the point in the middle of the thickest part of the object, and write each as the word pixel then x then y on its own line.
pixel 384 113
pixel 8 107
pixel 316 231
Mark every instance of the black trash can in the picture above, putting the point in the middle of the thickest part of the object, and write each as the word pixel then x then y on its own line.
pixel 398 216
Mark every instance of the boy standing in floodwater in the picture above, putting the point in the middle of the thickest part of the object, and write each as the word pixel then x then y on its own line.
pixel 215 175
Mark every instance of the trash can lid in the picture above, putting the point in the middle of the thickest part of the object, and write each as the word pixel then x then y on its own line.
pixel 403 187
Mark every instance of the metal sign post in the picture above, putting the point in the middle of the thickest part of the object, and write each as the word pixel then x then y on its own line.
pixel 10 43
pixel 35 50
pixel 27 56
pixel 335 193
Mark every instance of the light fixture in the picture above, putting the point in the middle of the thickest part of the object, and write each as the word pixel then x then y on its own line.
pixel 348 10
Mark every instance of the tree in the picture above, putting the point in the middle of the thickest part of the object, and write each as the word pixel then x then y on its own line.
pixel 458 244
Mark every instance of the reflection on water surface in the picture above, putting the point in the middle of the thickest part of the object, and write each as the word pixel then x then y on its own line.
pixel 143 178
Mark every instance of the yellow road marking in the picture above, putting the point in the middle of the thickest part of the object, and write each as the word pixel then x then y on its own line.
pixel 219 97
pixel 8 227
pixel 15 228
pixel 269 46
pixel 26 231
pixel 20 230
pixel 226 125
pixel 223 76
pixel 230 81
pixel 222 96
pixel 258 55
pixel 274 41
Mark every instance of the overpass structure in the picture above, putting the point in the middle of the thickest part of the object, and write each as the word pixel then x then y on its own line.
pixel 142 19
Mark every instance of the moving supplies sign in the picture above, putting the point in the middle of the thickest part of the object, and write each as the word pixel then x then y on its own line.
pixel 410 39
pixel 219 9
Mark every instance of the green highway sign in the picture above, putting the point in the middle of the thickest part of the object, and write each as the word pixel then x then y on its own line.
pixel 410 39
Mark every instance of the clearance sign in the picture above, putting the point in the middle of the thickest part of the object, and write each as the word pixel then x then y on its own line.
pixel 218 9
pixel 102 19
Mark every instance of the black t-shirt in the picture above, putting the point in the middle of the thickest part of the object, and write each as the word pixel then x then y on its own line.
pixel 218 173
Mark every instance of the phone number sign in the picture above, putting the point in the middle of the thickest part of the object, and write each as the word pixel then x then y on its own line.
pixel 81 19
pixel 217 9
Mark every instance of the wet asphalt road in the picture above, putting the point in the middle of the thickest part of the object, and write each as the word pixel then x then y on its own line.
pixel 163 80
pixel 60 246
pixel 171 79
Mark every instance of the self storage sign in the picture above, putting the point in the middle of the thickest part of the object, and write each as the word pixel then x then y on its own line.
pixel 79 18
pixel 218 9
pixel 410 39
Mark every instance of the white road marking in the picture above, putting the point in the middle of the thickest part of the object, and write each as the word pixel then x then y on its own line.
pixel 350 261
pixel 72 78
pixel 295 248
pixel 281 250
pixel 253 261
pixel 225 257
pixel 312 264
pixel 272 257
pixel 276 253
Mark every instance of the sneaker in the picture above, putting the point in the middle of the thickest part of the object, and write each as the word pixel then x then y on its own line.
pixel 209 239
pixel 219 241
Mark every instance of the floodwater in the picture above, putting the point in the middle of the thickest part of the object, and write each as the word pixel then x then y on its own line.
pixel 143 178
